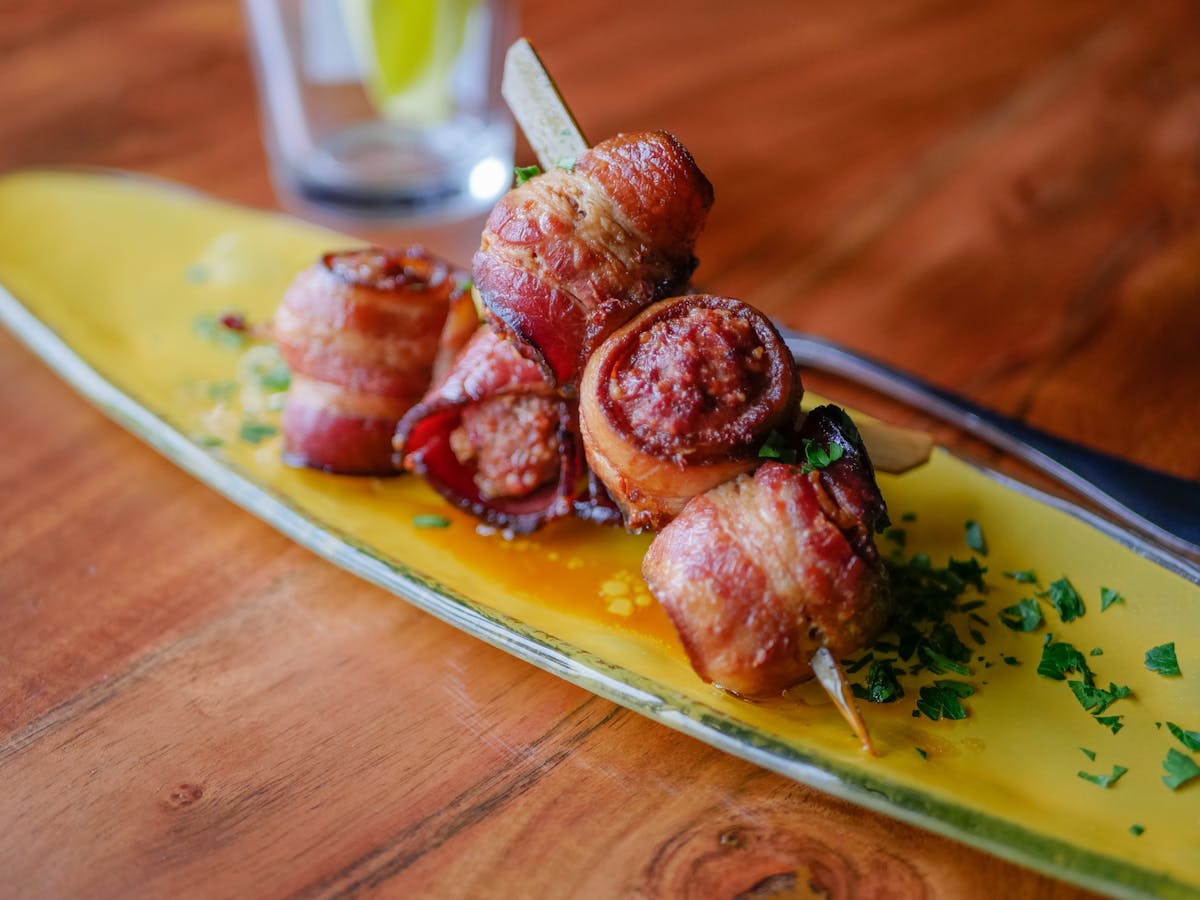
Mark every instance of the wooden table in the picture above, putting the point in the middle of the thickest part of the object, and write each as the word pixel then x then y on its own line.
pixel 1001 197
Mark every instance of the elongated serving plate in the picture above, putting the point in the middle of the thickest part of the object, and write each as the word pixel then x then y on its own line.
pixel 115 281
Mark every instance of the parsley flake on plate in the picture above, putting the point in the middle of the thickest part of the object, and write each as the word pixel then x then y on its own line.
pixel 1105 780
pixel 1108 597
pixel 1024 615
pixel 1180 769
pixel 1066 600
pixel 1189 739
pixel 1024 576
pixel 975 539
pixel 430 520
pixel 943 699
pixel 256 432
pixel 226 329
pixel 882 685
pixel 1060 658
pixel 1161 659
pixel 1096 700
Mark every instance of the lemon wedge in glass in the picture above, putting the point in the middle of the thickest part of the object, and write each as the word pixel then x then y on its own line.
pixel 406 51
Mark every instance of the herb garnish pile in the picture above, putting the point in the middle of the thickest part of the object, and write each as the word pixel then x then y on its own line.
pixel 940 624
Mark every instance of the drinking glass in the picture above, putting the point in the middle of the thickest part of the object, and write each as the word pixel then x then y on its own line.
pixel 384 109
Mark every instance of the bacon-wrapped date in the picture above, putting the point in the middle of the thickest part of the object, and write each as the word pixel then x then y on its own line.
pixel 570 255
pixel 681 399
pixel 494 437
pixel 762 571
pixel 360 331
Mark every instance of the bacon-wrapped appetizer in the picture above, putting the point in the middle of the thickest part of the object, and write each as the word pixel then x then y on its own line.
pixel 681 399
pixel 759 574
pixel 360 331
pixel 494 437
pixel 573 253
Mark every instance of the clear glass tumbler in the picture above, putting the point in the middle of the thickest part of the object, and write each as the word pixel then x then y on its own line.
pixel 385 109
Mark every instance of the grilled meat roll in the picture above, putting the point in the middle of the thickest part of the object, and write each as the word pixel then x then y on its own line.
pixel 360 331
pixel 759 573
pixel 571 254
pixel 681 399
pixel 494 437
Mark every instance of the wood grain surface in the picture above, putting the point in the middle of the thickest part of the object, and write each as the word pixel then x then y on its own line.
pixel 1001 197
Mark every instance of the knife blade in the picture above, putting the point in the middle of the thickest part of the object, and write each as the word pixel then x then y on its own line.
pixel 1156 505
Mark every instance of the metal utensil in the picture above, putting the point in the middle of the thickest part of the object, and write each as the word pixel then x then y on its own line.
pixel 1156 505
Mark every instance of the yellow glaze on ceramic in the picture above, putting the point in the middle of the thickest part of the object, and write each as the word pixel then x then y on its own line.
pixel 120 269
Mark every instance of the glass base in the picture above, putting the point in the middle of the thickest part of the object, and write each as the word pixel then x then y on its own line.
pixel 382 170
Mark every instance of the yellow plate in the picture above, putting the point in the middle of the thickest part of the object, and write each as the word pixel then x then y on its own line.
pixel 113 275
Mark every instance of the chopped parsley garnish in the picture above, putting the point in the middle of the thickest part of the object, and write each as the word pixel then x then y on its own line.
pixel 777 447
pixel 1090 754
pixel 943 699
pixel 430 520
pixel 220 330
pixel 524 173
pixel 1024 576
pixel 1096 651
pixel 208 440
pixel 256 432
pixel 909 517
pixel 1096 700
pixel 1137 830
pixel 1180 769
pixel 1112 723
pixel 1189 739
pixel 1024 615
pixel 897 536
pixel 818 457
pixel 1108 597
pixel 1161 659
pixel 969 570
pixel 975 539
pixel 221 390
pixel 1059 659
pixel 851 667
pixel 1105 780
pixel 1066 600
pixel 1011 661
pixel 265 368
pixel 881 686
pixel 921 753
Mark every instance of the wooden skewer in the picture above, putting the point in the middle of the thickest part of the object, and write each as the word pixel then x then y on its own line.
pixel 538 107
pixel 555 135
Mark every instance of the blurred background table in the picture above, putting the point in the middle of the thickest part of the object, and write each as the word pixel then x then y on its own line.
pixel 1001 197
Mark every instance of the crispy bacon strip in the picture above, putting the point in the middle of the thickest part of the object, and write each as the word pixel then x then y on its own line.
pixel 760 572
pixel 573 253
pixel 360 331
pixel 494 438
pixel 681 399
